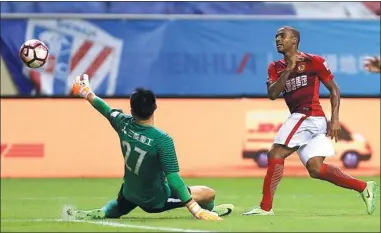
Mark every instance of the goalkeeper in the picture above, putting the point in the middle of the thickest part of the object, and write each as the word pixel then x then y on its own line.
pixel 151 172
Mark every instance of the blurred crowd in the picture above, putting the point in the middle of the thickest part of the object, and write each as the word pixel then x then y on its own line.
pixel 330 9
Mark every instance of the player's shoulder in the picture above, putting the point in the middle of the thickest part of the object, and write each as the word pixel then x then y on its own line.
pixel 119 112
pixel 279 64
pixel 313 57
pixel 161 133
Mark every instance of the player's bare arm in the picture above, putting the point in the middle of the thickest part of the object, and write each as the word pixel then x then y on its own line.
pixel 275 88
pixel 334 127
pixel 372 64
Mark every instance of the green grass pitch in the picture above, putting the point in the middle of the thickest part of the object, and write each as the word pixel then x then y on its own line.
pixel 301 205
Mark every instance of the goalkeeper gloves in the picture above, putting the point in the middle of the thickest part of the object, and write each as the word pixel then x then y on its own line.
pixel 201 213
pixel 81 86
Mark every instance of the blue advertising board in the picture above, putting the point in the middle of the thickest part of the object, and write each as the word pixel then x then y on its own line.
pixel 183 57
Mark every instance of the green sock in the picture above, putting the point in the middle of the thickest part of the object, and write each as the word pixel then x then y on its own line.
pixel 209 206
pixel 111 209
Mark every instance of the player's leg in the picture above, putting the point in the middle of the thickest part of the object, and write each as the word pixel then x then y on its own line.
pixel 313 156
pixel 205 197
pixel 291 135
pixel 320 170
pixel 276 157
pixel 113 209
pixel 118 208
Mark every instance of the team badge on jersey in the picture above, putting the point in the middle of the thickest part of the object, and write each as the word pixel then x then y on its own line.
pixel 301 68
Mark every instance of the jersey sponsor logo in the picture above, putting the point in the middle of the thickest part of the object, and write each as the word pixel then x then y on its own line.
pixel 295 83
pixel 138 137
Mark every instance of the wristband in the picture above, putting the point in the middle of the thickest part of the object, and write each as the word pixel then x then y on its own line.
pixel 84 92
pixel 195 209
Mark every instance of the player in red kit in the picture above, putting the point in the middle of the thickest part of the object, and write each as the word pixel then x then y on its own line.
pixel 298 77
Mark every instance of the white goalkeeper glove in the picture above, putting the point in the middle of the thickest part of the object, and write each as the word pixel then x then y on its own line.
pixel 81 86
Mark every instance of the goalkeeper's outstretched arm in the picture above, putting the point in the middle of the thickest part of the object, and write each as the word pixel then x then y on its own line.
pixel 99 104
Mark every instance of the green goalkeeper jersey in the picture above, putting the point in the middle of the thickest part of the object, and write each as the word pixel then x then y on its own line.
pixel 149 155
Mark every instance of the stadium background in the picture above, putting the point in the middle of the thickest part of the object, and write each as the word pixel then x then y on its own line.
pixel 207 62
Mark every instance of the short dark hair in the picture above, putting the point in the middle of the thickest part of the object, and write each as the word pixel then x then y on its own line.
pixel 295 33
pixel 143 103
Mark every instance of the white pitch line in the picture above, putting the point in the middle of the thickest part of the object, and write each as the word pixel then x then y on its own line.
pixel 125 225
pixel 108 223
pixel 32 220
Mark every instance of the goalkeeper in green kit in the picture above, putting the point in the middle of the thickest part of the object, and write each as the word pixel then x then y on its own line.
pixel 151 172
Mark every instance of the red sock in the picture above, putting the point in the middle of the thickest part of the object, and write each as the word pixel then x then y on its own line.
pixel 273 176
pixel 336 176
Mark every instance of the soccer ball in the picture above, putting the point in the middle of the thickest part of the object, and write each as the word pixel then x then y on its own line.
pixel 34 53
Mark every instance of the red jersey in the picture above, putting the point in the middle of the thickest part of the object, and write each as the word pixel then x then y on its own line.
pixel 301 91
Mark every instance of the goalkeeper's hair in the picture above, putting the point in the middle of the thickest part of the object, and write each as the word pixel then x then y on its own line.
pixel 143 103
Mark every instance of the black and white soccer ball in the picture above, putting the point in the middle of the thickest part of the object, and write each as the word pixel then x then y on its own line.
pixel 34 53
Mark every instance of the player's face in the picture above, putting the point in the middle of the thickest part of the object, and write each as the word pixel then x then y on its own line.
pixel 284 40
